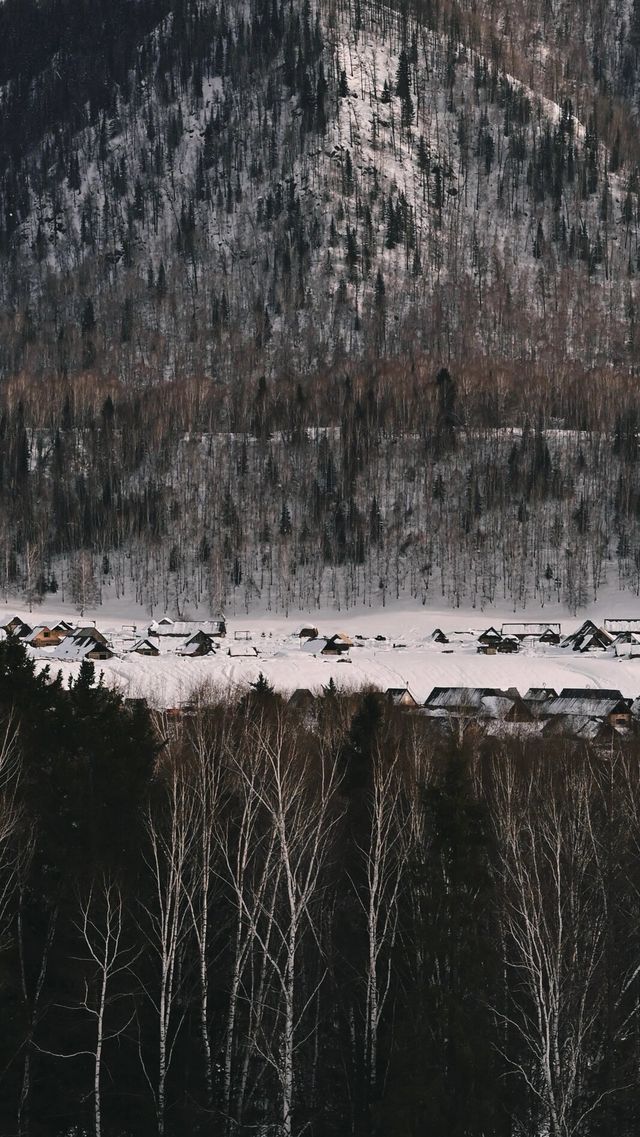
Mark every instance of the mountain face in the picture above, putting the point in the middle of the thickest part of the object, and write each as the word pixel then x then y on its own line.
pixel 304 302
pixel 186 184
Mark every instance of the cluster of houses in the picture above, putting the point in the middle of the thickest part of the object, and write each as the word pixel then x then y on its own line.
pixel 619 637
pixel 74 644
pixel 582 713
pixel 579 713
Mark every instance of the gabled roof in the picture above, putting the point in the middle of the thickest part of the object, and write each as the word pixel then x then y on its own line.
pixel 495 706
pixel 314 646
pixel 469 698
pixel 74 649
pixel 35 632
pixel 595 641
pixel 490 634
pixel 301 697
pixel 196 647
pixel 598 707
pixel 590 692
pixel 143 643
pixel 397 694
pixel 539 694
pixel 89 630
pixel 585 629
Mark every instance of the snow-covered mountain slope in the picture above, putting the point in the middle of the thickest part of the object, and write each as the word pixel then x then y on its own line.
pixel 282 185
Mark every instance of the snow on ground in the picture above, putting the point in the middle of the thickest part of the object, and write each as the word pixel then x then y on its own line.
pixel 419 664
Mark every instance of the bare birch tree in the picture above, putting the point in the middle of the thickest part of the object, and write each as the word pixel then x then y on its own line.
pixel 554 927
pixel 295 795
pixel 165 920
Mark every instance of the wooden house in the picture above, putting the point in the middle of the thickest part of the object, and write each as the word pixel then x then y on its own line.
pixel 145 647
pixel 597 705
pixel 338 644
pixel 17 627
pixel 74 649
pixel 595 641
pixel 301 699
pixel 198 645
pixel 13 625
pixel 401 697
pixel 44 636
pixel 575 639
pixel 89 630
pixel 490 637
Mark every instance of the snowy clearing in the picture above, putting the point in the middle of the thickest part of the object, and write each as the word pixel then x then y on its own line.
pixel 415 661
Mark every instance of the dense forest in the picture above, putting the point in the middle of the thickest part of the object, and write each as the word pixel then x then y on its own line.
pixel 257 919
pixel 304 305
pixel 191 188
pixel 357 487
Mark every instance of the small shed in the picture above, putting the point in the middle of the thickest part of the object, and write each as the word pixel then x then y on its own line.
pixel 540 694
pixel 509 645
pixel 307 632
pixel 338 644
pixel 438 637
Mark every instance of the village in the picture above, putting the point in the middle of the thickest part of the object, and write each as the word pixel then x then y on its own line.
pixel 583 712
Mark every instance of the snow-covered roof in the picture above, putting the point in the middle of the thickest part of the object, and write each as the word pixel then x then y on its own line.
pixel 142 644
pixel 540 694
pixel 496 706
pixel 597 707
pixel 460 697
pixel 314 646
pixel 631 624
pixel 530 629
pixel 73 650
pixel 185 628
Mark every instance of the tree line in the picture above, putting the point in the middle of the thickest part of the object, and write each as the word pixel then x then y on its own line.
pixel 315 920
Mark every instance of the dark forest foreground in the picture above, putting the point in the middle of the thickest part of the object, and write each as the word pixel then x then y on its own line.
pixel 255 920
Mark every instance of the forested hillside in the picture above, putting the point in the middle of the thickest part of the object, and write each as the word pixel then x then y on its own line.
pixel 191 187
pixel 238 246
pixel 326 923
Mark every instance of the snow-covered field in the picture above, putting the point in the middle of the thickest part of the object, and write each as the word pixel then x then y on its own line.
pixel 407 657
